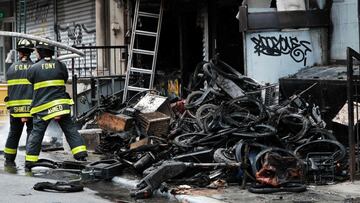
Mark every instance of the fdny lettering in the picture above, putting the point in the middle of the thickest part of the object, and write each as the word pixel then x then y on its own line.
pixel 48 66
pixel 55 109
pixel 22 67
pixel 21 109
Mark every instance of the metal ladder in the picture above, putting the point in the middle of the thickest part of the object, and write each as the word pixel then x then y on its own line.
pixel 133 50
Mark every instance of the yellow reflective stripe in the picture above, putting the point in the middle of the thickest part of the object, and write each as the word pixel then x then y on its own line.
pixel 32 158
pixel 18 82
pixel 52 115
pixel 81 148
pixel 20 102
pixel 20 115
pixel 51 104
pixel 9 151
pixel 48 83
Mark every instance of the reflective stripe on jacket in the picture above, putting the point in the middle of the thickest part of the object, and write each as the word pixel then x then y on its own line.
pixel 50 98
pixel 20 90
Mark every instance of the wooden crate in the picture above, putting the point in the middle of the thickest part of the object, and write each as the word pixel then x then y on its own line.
pixel 114 123
pixel 154 123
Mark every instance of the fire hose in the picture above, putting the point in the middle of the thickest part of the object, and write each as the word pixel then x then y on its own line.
pixel 41 39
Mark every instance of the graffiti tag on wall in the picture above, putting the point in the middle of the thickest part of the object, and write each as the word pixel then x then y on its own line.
pixel 75 33
pixel 282 45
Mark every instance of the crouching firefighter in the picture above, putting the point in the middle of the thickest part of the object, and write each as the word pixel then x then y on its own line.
pixel 51 101
pixel 18 101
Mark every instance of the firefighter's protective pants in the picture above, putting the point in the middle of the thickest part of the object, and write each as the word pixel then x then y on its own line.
pixel 12 142
pixel 73 137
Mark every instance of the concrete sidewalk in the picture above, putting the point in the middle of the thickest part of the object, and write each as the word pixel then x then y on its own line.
pixel 15 188
pixel 341 192
pixel 18 188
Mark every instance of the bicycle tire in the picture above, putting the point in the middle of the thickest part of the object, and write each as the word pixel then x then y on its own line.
pixel 288 187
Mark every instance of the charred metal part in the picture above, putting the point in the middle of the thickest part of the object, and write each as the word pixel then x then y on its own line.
pixel 131 112
pixel 142 148
pixel 336 148
pixel 229 87
pixel 245 105
pixel 204 112
pixel 296 100
pixel 198 156
pixel 319 134
pixel 215 174
pixel 199 179
pixel 146 161
pixel 166 171
pixel 197 98
pixel 104 169
pixel 258 131
pixel 292 122
pixel 110 143
pixel 315 117
pixel 222 155
pixel 186 140
pixel 153 181
pixel 320 168
pixel 190 140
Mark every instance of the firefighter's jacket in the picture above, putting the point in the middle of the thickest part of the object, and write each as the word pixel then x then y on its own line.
pixel 20 90
pixel 50 98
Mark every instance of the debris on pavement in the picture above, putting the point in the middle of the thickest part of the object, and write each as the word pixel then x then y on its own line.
pixel 58 187
pixel 223 133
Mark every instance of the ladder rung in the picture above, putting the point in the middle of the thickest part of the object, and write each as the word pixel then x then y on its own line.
pixel 150 15
pixel 141 51
pixel 137 89
pixel 140 70
pixel 146 33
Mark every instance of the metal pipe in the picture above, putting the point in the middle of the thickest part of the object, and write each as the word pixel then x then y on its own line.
pixel 351 114
pixel 68 56
pixel 90 131
pixel 74 91
pixel 190 164
pixel 41 39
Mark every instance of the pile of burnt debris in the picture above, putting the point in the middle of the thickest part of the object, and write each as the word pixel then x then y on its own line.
pixel 224 133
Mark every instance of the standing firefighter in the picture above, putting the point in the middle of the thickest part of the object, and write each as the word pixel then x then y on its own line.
pixel 50 101
pixel 19 98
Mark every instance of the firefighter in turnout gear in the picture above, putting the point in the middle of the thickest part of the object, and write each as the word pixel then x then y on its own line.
pixel 18 101
pixel 51 101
